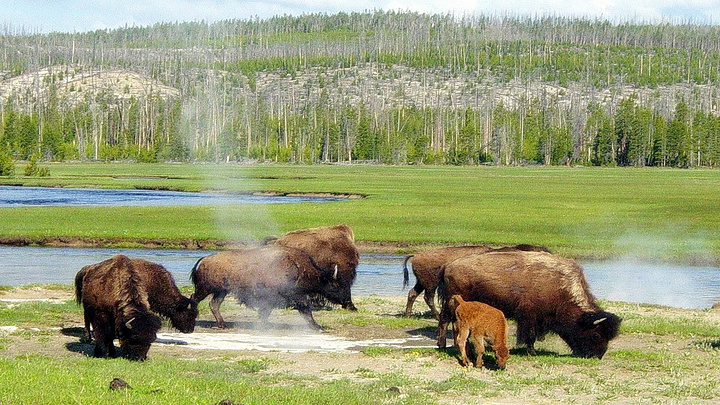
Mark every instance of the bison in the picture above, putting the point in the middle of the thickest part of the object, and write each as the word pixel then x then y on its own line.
pixel 333 250
pixel 480 322
pixel 426 267
pixel 541 291
pixel 115 303
pixel 264 277
pixel 164 297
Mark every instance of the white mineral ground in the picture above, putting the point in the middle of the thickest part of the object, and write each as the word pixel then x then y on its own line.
pixel 287 342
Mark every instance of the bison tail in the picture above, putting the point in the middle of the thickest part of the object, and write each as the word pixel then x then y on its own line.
pixel 406 273
pixel 193 272
pixel 78 285
pixel 441 291
pixel 446 315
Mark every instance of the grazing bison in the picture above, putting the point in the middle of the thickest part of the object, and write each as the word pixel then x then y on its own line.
pixel 264 277
pixel 426 267
pixel 115 303
pixel 164 297
pixel 541 291
pixel 332 248
pixel 480 322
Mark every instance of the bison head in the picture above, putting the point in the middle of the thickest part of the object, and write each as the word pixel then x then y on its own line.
pixel 502 353
pixel 137 334
pixel 337 288
pixel 183 315
pixel 593 333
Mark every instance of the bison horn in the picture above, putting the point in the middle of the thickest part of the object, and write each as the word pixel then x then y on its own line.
pixel 128 323
pixel 335 273
pixel 597 322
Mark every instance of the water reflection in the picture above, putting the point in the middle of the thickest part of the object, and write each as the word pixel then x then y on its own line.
pixel 676 286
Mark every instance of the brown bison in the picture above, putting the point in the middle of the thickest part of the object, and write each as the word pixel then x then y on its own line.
pixel 479 322
pixel 163 295
pixel 264 277
pixel 333 250
pixel 115 303
pixel 541 291
pixel 426 268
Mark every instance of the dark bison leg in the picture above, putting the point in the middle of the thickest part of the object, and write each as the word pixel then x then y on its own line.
pixel 87 334
pixel 215 302
pixel 103 331
pixel 526 332
pixel 443 320
pixel 304 309
pixel 264 313
pixel 430 300
pixel 412 295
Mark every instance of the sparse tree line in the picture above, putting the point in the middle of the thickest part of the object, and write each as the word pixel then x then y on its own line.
pixel 225 112
pixel 633 135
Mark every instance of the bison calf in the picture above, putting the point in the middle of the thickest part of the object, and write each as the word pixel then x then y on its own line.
pixel 480 322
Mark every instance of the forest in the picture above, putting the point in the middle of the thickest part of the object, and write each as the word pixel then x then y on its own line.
pixel 374 87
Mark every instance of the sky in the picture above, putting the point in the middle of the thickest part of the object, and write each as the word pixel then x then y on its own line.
pixel 87 15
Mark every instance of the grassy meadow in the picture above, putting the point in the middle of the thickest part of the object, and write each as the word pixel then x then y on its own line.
pixel 580 212
pixel 662 355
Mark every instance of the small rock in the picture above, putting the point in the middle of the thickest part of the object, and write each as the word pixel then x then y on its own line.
pixel 8 329
pixel 118 384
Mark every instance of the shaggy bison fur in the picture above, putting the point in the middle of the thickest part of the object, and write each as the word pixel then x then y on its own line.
pixel 332 249
pixel 541 291
pixel 115 303
pixel 264 277
pixel 426 268
pixel 479 322
pixel 164 296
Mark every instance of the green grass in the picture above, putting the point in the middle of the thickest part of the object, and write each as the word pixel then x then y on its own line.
pixel 598 212
pixel 28 314
pixel 166 380
pixel 655 319
pixel 652 372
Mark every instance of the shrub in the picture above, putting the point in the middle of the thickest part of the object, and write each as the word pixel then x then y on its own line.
pixel 7 166
pixel 32 168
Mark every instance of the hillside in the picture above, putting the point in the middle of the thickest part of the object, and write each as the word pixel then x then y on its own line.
pixel 74 84
pixel 379 86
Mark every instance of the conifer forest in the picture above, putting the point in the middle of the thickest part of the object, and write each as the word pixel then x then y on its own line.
pixel 373 87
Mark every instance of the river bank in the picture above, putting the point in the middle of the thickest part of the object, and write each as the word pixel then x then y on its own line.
pixel 197 244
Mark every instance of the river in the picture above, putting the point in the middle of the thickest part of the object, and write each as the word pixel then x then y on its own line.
pixel 14 196
pixel 381 274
